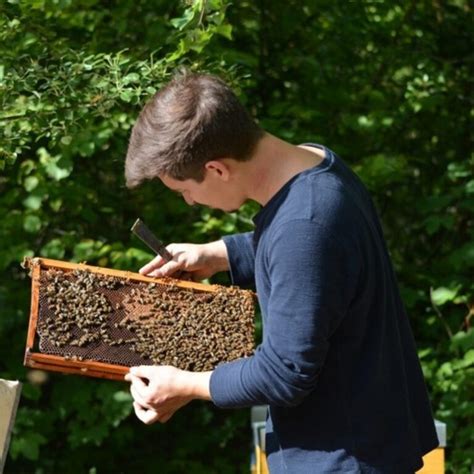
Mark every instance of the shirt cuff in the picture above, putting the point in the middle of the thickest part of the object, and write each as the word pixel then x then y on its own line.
pixel 241 259
pixel 225 383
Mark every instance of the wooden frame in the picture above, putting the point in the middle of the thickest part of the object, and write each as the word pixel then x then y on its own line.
pixel 56 363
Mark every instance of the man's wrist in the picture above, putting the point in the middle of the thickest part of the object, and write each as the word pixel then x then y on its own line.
pixel 196 384
pixel 217 254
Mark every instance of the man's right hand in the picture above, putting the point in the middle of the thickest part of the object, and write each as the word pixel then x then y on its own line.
pixel 199 261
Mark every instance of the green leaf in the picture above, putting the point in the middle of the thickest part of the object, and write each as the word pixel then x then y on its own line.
pixel 57 167
pixel 132 77
pixel 181 22
pixel 224 30
pixel 459 170
pixel 442 295
pixel 436 222
pixel 86 250
pixel 463 340
pixel 422 353
pixel 33 202
pixel 32 223
pixel 466 361
pixel 122 397
pixel 127 95
pixel 28 445
pixel 53 249
pixel 30 183
pixel 463 257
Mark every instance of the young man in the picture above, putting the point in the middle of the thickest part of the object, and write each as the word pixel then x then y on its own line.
pixel 338 365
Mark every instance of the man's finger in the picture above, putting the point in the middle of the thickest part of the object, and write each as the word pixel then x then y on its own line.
pixel 167 269
pixel 139 382
pixel 139 398
pixel 146 416
pixel 139 385
pixel 128 377
pixel 142 371
pixel 140 392
pixel 157 262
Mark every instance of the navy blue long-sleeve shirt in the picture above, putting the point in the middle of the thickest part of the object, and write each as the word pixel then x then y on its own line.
pixel 338 364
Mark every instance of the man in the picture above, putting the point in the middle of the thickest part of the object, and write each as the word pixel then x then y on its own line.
pixel 338 365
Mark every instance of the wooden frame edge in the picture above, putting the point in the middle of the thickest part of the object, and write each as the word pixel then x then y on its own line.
pixel 54 363
pixel 125 274
pixel 35 277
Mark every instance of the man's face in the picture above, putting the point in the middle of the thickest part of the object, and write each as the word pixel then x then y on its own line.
pixel 213 191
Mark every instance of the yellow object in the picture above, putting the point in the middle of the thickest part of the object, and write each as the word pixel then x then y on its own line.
pixel 433 462
pixel 261 466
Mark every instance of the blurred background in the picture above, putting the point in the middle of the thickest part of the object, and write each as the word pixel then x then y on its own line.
pixel 387 85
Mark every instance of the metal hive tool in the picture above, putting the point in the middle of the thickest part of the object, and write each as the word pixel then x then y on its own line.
pixel 98 322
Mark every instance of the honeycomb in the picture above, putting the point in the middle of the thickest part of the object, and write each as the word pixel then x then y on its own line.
pixel 90 316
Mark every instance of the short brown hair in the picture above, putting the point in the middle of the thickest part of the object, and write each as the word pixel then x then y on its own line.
pixel 195 118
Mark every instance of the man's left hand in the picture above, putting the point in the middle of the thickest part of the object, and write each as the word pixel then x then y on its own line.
pixel 159 391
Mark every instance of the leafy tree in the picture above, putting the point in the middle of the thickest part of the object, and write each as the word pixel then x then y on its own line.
pixel 386 84
pixel 73 77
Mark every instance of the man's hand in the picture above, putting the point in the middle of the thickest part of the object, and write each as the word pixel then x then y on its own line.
pixel 199 261
pixel 159 391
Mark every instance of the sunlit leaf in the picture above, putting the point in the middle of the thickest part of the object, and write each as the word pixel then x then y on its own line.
pixel 442 295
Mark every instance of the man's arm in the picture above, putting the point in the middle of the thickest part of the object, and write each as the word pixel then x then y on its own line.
pixel 233 252
pixel 312 277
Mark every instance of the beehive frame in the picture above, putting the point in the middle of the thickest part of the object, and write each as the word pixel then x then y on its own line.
pixel 91 368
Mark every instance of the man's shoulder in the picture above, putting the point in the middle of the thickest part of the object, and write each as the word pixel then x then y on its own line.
pixel 318 197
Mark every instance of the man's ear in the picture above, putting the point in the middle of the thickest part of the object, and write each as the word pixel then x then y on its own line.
pixel 219 169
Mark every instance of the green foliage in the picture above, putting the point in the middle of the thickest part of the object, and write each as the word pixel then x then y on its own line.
pixel 385 84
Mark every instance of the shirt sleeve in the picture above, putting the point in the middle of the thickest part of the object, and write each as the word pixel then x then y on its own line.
pixel 312 278
pixel 241 254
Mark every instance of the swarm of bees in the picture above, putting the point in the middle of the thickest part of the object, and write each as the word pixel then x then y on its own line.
pixel 85 315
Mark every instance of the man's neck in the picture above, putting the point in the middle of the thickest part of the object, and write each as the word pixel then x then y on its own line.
pixel 274 163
